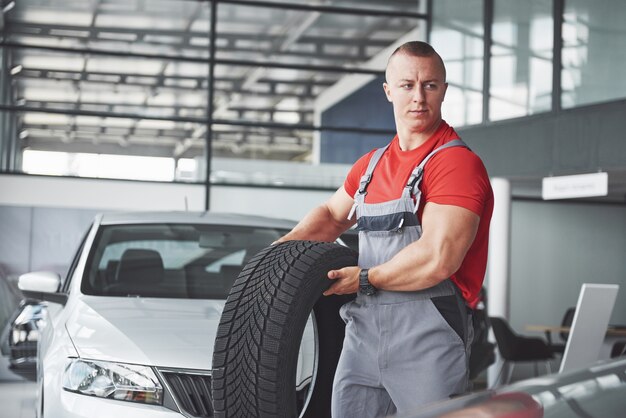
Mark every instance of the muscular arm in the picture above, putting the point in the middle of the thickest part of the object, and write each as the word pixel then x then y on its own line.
pixel 448 233
pixel 325 222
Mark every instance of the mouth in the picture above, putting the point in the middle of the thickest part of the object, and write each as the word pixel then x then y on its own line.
pixel 417 112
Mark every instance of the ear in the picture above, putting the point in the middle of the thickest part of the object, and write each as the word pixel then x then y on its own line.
pixel 387 91
pixel 445 89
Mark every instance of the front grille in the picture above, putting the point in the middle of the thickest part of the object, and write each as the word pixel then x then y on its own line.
pixel 192 392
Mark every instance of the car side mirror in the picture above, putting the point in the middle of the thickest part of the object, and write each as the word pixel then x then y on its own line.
pixel 42 285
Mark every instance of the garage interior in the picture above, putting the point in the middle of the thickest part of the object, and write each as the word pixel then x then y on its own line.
pixel 261 106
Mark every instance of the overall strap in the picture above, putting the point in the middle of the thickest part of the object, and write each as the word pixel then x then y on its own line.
pixel 367 177
pixel 359 195
pixel 412 185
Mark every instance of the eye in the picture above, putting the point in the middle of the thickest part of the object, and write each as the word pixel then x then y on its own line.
pixel 406 86
pixel 430 86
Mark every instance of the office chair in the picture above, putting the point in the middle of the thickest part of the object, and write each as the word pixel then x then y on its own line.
pixel 566 322
pixel 515 348
pixel 618 349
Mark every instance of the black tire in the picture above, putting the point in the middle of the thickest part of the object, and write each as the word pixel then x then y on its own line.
pixel 256 348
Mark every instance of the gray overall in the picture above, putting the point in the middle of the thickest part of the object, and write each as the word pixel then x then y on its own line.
pixel 401 349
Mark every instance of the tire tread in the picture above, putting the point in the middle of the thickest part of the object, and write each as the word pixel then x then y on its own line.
pixel 254 342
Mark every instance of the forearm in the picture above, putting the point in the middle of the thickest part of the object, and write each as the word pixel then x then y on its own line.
pixel 318 225
pixel 415 267
pixel 326 222
pixel 411 269
pixel 448 234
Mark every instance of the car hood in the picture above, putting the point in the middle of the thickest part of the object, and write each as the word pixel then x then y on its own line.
pixel 176 333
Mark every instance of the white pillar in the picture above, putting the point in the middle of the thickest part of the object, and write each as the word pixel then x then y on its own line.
pixel 499 249
pixel 498 262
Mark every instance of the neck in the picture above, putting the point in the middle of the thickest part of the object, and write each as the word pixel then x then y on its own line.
pixel 410 140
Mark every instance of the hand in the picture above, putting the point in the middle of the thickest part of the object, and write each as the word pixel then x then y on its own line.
pixel 346 281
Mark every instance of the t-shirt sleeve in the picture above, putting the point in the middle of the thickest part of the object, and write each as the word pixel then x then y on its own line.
pixel 457 177
pixel 351 183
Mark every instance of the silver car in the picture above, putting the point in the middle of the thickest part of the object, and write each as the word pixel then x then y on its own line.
pixel 130 330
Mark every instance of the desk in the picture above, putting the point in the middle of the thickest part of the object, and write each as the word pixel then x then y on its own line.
pixel 613 334
pixel 610 331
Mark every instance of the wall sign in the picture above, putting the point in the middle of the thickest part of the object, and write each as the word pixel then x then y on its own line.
pixel 580 185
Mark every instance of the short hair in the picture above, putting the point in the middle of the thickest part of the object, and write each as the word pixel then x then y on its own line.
pixel 418 49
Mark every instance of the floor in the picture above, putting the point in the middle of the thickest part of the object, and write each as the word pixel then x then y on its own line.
pixel 17 395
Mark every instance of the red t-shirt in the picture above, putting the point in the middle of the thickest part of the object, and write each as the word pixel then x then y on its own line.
pixel 454 176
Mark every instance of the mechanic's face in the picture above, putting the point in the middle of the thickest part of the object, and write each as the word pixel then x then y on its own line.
pixel 416 87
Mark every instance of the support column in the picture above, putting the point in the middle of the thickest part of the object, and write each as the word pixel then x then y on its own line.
pixel 498 264
pixel 4 115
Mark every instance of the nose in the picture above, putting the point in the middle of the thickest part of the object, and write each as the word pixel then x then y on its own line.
pixel 418 94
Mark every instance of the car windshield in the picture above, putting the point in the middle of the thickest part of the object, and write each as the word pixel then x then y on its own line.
pixel 171 260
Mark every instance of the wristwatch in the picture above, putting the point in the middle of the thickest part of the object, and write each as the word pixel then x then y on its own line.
pixel 365 287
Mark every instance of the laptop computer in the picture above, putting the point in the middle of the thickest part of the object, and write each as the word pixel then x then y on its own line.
pixel 593 311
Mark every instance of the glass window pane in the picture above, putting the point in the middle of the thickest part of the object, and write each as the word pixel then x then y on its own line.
pixel 413 6
pixel 521 63
pixel 142 89
pixel 251 142
pixel 93 146
pixel 172 27
pixel 594 52
pixel 457 34
pixel 301 37
pixel 101 83
pixel 299 97
pixel 259 161
pixel 269 94
pixel 128 167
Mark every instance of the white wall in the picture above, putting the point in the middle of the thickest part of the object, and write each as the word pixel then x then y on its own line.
pixel 279 203
pixel 81 193
pixel 101 195
pixel 42 219
pixel 40 238
pixel 558 246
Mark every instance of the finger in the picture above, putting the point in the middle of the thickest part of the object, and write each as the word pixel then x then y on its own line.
pixel 334 274
pixel 332 290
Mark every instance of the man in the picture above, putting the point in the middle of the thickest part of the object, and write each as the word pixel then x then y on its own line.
pixel 423 206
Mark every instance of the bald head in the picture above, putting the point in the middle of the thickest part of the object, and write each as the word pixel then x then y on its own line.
pixel 416 88
pixel 416 49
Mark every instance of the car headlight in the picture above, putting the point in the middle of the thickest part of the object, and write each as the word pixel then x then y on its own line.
pixel 126 382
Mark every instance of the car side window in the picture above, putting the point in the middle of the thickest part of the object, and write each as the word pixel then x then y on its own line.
pixel 68 278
